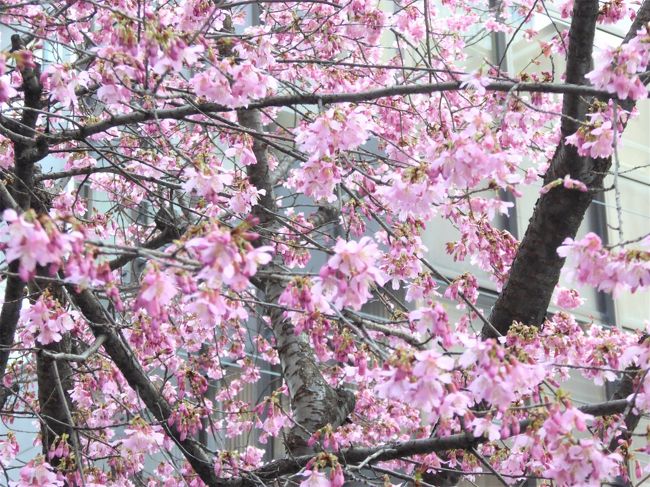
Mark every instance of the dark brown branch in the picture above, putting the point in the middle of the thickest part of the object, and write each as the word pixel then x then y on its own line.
pixel 259 174
pixel 25 155
pixel 628 386
pixel 317 99
pixel 52 404
pixel 558 213
pixel 127 363
pixel 393 451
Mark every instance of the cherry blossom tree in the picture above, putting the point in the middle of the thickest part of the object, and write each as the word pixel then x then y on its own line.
pixel 197 193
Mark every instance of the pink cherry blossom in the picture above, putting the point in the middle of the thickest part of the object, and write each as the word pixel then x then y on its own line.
pixel 6 90
pixel 207 182
pixel 177 54
pixel 158 290
pixel 213 85
pixel 589 263
pixel 350 272
pixel 317 178
pixel 46 320
pixel 62 81
pixel 336 129
pixel 28 242
pixel 618 68
pixel 8 450
pixel 315 479
pixel 141 439
pixel 434 321
pixel 568 298
pixel 38 475
pixel 477 81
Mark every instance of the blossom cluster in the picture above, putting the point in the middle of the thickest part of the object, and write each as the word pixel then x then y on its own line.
pixel 618 68
pixel 39 474
pixel 32 243
pixel 6 90
pixel 227 257
pixel 598 138
pixel 46 320
pixel 350 272
pixel 588 262
pixel 248 83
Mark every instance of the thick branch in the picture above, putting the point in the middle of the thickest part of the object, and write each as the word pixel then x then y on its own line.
pixel 259 174
pixel 25 155
pixel 313 401
pixel 72 357
pixel 558 213
pixel 125 360
pixel 52 405
pixel 316 99
pixel 394 451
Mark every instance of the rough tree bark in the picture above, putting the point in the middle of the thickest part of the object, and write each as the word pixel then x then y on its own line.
pixel 314 403
pixel 558 214
pixel 55 423
pixel 28 150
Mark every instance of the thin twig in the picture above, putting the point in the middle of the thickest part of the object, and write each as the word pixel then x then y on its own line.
pixel 68 414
